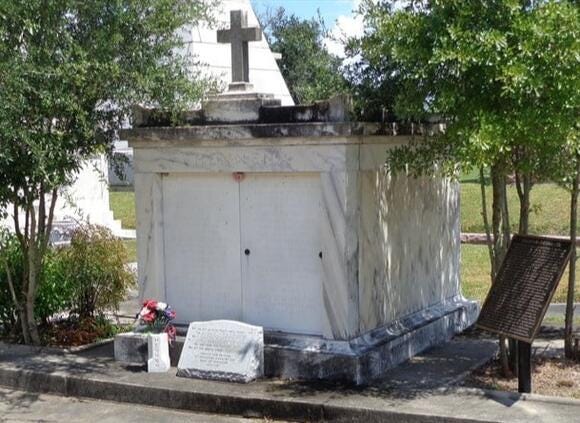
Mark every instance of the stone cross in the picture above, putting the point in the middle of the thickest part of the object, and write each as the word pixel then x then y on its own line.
pixel 239 35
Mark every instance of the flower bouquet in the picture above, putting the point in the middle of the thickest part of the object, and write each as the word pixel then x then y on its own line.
pixel 156 317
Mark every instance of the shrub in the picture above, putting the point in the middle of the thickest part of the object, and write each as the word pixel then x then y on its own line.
pixel 11 256
pixel 85 279
pixel 94 265
pixel 54 291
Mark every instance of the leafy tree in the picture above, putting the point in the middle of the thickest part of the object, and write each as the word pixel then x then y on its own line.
pixel 371 75
pixel 69 72
pixel 311 72
pixel 504 76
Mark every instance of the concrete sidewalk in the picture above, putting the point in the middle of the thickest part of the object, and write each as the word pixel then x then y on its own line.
pixel 418 391
pixel 18 407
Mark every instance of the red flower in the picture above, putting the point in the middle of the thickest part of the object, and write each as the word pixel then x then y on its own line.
pixel 171 332
pixel 149 317
pixel 150 304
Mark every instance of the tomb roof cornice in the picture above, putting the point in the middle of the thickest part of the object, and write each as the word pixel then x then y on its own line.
pixel 326 133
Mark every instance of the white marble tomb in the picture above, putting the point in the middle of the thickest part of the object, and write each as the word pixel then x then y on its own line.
pixel 289 220
pixel 85 200
pixel 217 243
pixel 297 227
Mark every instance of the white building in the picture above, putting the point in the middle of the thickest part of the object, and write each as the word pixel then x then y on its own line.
pixel 201 41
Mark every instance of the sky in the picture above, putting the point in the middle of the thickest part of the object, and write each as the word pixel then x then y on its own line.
pixel 338 16
pixel 329 9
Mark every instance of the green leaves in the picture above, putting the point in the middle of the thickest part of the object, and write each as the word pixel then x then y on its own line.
pixel 70 71
pixel 310 71
pixel 503 73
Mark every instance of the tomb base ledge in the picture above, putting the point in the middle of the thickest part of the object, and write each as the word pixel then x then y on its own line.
pixel 359 360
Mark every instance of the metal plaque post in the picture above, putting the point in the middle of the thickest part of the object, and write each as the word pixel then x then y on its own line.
pixel 524 367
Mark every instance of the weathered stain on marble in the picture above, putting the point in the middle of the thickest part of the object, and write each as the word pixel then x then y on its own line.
pixel 244 159
pixel 335 275
pixel 409 257
pixel 150 251
pixel 249 133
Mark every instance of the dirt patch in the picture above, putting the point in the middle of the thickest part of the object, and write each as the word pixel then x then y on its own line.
pixel 73 332
pixel 551 376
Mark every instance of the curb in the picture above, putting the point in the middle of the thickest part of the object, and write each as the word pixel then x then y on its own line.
pixel 68 350
pixel 287 409
pixel 514 396
pixel 80 348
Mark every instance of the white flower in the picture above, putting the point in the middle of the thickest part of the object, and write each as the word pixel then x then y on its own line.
pixel 143 311
pixel 161 306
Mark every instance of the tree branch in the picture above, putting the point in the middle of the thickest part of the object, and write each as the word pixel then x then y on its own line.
pixel 41 214
pixel 490 245
pixel 48 228
pixel 17 228
pixel 11 285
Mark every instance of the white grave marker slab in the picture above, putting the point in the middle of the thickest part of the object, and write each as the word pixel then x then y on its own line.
pixel 223 350
pixel 158 348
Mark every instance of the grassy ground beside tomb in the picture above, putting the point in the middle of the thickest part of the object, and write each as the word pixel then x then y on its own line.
pixel 558 321
pixel 475 270
pixel 122 202
pixel 550 213
pixel 123 206
pixel 131 246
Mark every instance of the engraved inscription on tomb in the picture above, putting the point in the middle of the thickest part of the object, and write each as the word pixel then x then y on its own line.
pixel 222 350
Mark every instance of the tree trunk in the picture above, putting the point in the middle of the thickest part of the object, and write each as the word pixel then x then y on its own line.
pixel 501 233
pixel 21 316
pixel 31 299
pixel 569 322
pixel 524 187
pixel 33 275
pixel 500 218
pixel 486 222
pixel 33 238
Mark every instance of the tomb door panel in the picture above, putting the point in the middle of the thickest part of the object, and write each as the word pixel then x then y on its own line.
pixel 281 243
pixel 202 246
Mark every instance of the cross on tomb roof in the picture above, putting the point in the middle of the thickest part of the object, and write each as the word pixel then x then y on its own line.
pixel 239 35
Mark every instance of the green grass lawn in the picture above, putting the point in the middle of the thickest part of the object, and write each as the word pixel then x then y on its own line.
pixel 475 269
pixel 131 246
pixel 560 321
pixel 122 203
pixel 549 216
pixel 123 206
pixel 550 208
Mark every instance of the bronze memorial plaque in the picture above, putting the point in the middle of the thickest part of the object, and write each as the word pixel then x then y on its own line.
pixel 524 286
